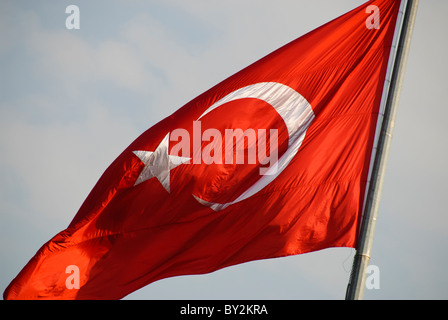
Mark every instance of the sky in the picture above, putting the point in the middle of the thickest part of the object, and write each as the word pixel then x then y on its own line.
pixel 71 100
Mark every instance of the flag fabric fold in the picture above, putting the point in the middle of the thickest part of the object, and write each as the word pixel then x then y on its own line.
pixel 164 209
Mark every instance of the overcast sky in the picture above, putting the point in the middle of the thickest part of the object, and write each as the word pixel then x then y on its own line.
pixel 72 100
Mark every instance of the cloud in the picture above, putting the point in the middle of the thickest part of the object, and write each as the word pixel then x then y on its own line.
pixel 76 63
pixel 59 163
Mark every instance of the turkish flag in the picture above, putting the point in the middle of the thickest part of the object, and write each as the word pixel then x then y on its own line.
pixel 178 202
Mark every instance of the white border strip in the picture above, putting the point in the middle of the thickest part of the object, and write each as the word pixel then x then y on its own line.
pixel 390 68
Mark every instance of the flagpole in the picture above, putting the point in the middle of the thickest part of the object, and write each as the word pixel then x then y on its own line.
pixel 356 285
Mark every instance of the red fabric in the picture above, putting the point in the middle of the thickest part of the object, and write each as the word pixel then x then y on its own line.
pixel 125 237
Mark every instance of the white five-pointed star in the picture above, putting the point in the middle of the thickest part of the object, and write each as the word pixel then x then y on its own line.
pixel 158 163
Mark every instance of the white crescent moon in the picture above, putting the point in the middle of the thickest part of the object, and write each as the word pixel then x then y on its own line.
pixel 295 111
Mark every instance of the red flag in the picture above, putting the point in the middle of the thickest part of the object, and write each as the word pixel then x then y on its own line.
pixel 187 197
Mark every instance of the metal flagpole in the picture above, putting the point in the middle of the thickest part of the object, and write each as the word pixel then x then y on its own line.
pixel 356 285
